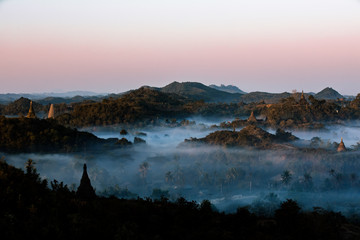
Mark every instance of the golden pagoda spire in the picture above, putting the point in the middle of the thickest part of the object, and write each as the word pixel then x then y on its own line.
pixel 31 113
pixel 51 112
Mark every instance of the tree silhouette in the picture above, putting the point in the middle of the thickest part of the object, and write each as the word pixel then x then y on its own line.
pixel 143 169
pixel 286 177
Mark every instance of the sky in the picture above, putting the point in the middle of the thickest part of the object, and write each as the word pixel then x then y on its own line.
pixel 117 45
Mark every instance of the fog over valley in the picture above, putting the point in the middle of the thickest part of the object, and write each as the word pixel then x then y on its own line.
pixel 166 165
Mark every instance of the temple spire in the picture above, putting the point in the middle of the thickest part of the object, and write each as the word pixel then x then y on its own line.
pixel 51 112
pixel 252 118
pixel 341 147
pixel 303 99
pixel 31 113
pixel 85 190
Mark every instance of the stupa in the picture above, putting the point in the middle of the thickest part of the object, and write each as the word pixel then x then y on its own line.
pixel 341 147
pixel 303 99
pixel 252 118
pixel 85 190
pixel 31 113
pixel 51 112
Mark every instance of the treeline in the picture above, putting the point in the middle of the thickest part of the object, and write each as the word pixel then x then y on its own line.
pixel 30 208
pixel 40 135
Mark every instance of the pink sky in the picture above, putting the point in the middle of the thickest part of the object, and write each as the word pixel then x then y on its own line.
pixel 36 59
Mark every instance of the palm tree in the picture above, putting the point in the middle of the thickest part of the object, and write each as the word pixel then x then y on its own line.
pixel 286 177
pixel 143 169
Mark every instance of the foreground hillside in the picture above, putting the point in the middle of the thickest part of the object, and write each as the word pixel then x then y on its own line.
pixel 31 209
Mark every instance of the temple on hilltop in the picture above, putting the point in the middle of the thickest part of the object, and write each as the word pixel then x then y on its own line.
pixel 303 99
pixel 85 190
pixel 51 112
pixel 341 147
pixel 252 118
pixel 31 113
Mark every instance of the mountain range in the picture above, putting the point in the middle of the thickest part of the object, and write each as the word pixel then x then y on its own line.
pixel 228 88
pixel 189 90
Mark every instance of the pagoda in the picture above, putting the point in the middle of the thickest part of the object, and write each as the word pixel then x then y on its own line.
pixel 85 190
pixel 303 99
pixel 31 113
pixel 341 147
pixel 51 112
pixel 252 118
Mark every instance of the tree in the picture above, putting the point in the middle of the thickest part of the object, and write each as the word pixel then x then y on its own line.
pixel 353 178
pixel 286 177
pixel 288 212
pixel 31 170
pixel 231 175
pixel 169 178
pixel 143 169
pixel 157 193
pixel 308 182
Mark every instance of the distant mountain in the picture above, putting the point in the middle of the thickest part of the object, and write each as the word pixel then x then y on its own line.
pixel 75 93
pixel 10 97
pixel 228 88
pixel 198 91
pixel 75 99
pixel 264 96
pixel 328 94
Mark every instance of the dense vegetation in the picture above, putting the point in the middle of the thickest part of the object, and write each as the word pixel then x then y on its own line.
pixel 250 136
pixel 311 114
pixel 145 106
pixel 36 135
pixel 21 107
pixel 31 209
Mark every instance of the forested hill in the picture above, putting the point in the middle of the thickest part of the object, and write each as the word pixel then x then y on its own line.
pixel 249 136
pixel 141 105
pixel 21 107
pixel 198 91
pixel 328 94
pixel 36 135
